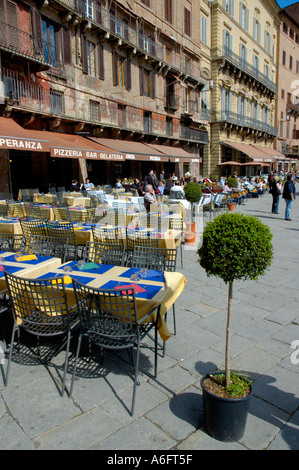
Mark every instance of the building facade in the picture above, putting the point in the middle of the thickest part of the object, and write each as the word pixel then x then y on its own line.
pixel 126 76
pixel 288 88
pixel 244 86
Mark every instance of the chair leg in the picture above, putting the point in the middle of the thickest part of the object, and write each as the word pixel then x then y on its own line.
pixel 136 380
pixel 76 360
pixel 15 327
pixel 66 362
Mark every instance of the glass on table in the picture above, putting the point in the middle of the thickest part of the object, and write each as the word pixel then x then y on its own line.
pixel 135 277
pixel 81 265
pixel 18 255
pixel 143 272
pixel 67 268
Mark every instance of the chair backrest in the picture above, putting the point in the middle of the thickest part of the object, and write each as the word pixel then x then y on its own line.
pixel 62 231
pixel 4 208
pixel 107 235
pixel 40 305
pixel 48 246
pixel 11 242
pixel 160 259
pixel 111 313
pixel 61 188
pixel 105 253
pixel 33 227
pixel 141 238
pixel 61 213
pixel 33 211
pixel 52 190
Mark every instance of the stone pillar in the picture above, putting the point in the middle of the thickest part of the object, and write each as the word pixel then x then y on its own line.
pixel 5 180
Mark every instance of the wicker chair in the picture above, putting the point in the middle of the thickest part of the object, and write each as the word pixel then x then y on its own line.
pixel 109 319
pixel 33 227
pixel 104 253
pixel 4 209
pixel 40 308
pixel 61 213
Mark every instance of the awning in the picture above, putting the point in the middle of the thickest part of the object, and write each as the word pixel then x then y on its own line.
pixel 15 137
pixel 176 154
pixel 76 146
pixel 253 152
pixel 273 153
pixel 131 150
pixel 230 163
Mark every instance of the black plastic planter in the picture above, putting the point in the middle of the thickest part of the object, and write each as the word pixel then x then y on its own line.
pixel 225 418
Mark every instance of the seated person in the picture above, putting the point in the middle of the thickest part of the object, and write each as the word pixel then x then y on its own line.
pixel 75 186
pixel 88 184
pixel 149 196
pixel 118 184
pixel 135 185
pixel 161 187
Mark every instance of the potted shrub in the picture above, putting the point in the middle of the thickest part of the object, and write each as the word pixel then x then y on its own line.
pixel 235 247
pixel 231 183
pixel 193 194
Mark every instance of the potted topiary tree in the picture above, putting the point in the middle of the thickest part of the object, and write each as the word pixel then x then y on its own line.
pixel 231 183
pixel 193 194
pixel 234 247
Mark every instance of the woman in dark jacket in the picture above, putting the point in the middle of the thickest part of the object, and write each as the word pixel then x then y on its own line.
pixel 289 194
pixel 168 185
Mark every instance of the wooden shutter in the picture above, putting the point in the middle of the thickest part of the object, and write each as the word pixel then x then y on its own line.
pixel 84 53
pixel 114 68
pixel 101 61
pixel 128 78
pixel 37 31
pixel 67 46
pixel 153 83
pixel 98 15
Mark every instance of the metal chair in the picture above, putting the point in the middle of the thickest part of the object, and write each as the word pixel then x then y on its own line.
pixel 48 246
pixel 177 223
pixel 40 308
pixel 33 227
pixel 140 238
pixel 33 211
pixel 4 209
pixel 64 231
pixel 61 213
pixel 160 259
pixel 109 319
pixel 111 235
pixel 11 242
pixel 104 253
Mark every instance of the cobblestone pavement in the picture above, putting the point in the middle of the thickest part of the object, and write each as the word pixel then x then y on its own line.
pixel 169 413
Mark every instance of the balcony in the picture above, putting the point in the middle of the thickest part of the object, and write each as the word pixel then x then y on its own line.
pixel 293 107
pixel 196 135
pixel 245 121
pixel 249 69
pixel 24 45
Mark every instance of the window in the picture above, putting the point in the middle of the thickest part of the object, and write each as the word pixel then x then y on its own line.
pixel 284 28
pixel 297 66
pixel 204 29
pixel 256 30
pixel 254 110
pixel 49 42
pixel 267 42
pixel 284 57
pixel 244 16
pixel 147 82
pixel 169 125
pixel 89 9
pixel 226 102
pixel 291 34
pixel 147 121
pixel 94 108
pixel 266 70
pixel 121 71
pixel 255 62
pixel 282 94
pixel 147 3
pixel 168 10
pixel 56 102
pixel 227 40
pixel 187 22
pixel 91 60
pixel 291 62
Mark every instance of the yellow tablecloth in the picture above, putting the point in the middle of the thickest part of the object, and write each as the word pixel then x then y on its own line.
pixel 74 201
pixel 171 288
pixel 29 269
pixel 13 227
pixel 45 198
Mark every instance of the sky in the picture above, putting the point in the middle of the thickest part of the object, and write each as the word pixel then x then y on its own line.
pixel 285 3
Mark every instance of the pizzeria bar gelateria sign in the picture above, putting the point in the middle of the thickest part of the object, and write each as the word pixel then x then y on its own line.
pixel 86 154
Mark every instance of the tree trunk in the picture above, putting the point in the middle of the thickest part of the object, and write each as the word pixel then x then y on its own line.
pixel 227 346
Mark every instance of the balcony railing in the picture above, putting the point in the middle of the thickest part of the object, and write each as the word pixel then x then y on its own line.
pixel 242 64
pixel 245 121
pixel 293 107
pixel 194 134
pixel 24 44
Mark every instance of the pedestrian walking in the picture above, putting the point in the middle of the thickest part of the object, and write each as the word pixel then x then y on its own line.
pixel 289 195
pixel 276 192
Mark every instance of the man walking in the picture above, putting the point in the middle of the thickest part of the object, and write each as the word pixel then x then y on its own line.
pixel 289 194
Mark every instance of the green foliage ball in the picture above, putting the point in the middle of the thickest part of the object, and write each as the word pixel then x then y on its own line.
pixel 236 247
pixel 232 182
pixel 192 192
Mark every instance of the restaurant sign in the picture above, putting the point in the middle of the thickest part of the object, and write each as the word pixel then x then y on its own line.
pixel 23 144
pixel 86 154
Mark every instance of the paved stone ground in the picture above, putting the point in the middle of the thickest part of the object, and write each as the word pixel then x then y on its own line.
pixel 169 414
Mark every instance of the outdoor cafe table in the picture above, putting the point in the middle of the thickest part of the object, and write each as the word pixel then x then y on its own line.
pixel 25 266
pixel 45 198
pixel 12 226
pixel 155 289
